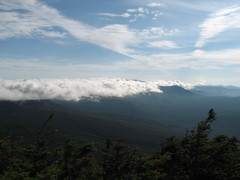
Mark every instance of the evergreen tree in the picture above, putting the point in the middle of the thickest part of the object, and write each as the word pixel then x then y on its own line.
pixel 194 157
pixel 119 160
pixel 78 161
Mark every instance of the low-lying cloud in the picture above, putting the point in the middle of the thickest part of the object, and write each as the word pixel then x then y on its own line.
pixel 77 89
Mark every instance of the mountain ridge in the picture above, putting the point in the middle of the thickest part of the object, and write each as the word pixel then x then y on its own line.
pixel 143 118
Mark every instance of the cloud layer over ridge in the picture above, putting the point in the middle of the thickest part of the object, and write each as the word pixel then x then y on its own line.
pixel 76 89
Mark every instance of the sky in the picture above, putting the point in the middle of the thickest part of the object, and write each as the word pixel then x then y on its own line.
pixel 151 40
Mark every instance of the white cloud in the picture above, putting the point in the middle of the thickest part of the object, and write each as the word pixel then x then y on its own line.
pixel 138 13
pixel 133 20
pixel 124 15
pixel 142 10
pixel 139 10
pixel 218 22
pixel 198 59
pixel 159 62
pixel 162 44
pixel 155 4
pixel 78 89
pixel 37 65
pixel 21 18
pixel 52 34
pixel 115 37
pixel 156 13
pixel 227 60
pixel 132 10
pixel 72 89
pixel 33 22
pixel 156 32
pixel 198 53
pixel 219 58
pixel 134 14
pixel 13 24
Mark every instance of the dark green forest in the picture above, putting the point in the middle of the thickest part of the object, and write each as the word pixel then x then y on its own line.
pixel 194 156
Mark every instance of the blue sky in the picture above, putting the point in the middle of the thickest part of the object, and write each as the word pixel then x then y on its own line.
pixel 191 41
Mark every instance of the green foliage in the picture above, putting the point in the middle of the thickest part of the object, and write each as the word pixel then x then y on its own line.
pixel 77 161
pixel 197 157
pixel 151 167
pixel 194 157
pixel 119 160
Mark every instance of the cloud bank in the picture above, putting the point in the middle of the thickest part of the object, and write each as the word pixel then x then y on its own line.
pixel 77 89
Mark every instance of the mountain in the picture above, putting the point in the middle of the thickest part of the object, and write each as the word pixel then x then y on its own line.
pixel 24 119
pixel 176 109
pixel 176 90
pixel 231 91
pixel 143 119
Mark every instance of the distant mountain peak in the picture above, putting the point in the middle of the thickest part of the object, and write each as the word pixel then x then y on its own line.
pixel 175 90
pixel 210 90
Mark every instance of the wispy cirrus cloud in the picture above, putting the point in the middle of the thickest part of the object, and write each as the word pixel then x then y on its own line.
pixel 154 4
pixel 32 22
pixel 124 15
pixel 148 11
pixel 218 22
pixel 20 18
pixel 203 60
pixel 132 10
pixel 222 60
pixel 162 44
pixel 156 33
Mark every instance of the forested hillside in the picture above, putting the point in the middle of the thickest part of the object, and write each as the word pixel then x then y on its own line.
pixel 195 156
pixel 23 119
pixel 145 136
pixel 142 119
